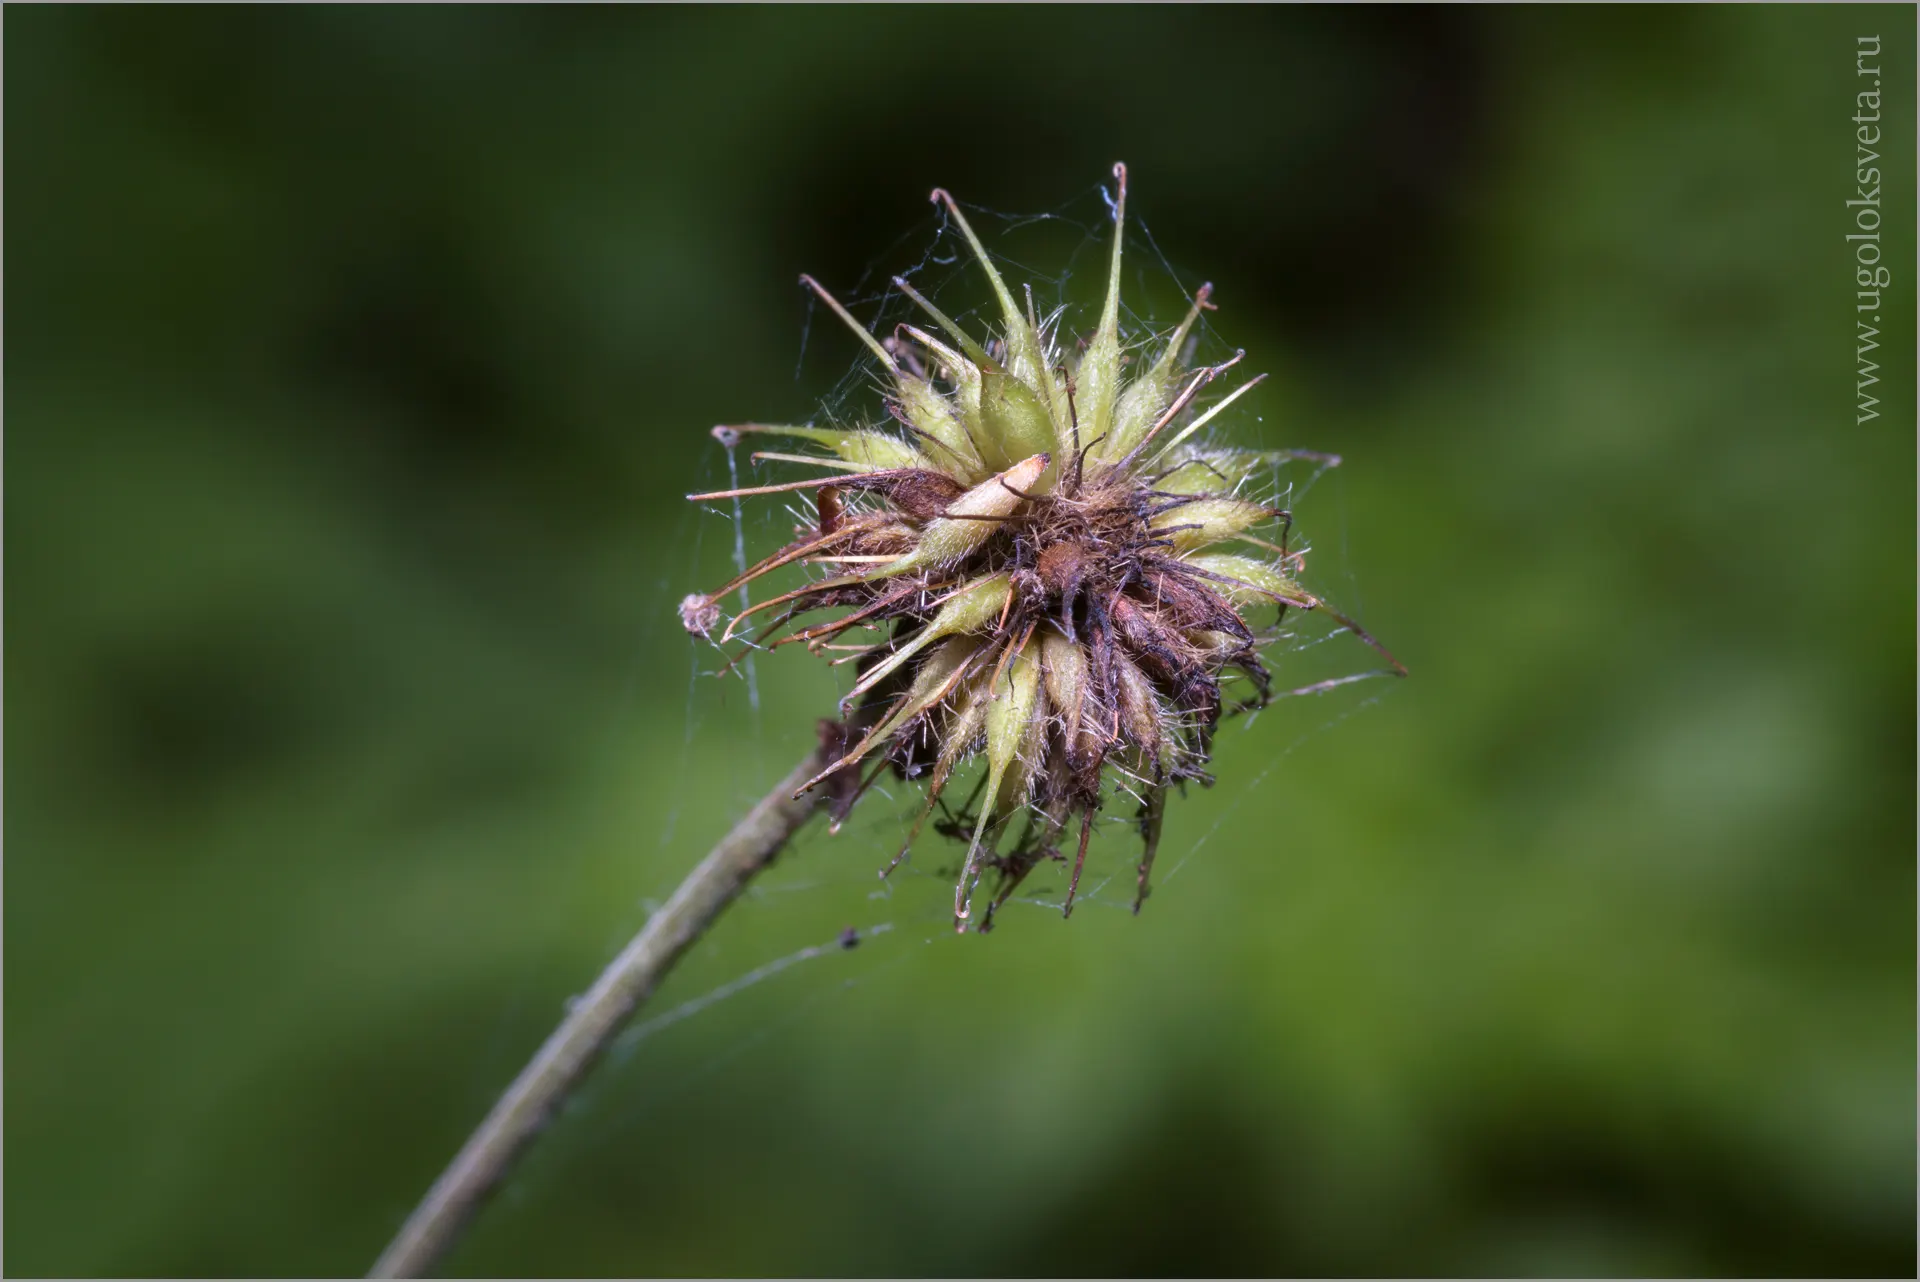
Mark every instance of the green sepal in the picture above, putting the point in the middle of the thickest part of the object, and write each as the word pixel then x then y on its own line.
pixel 1016 420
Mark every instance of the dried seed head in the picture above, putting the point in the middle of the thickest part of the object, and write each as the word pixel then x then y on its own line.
pixel 1035 540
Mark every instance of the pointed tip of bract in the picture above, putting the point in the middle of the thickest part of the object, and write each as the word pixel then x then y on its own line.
pixel 1110 316
pixel 1099 370
pixel 974 351
pixel 1025 360
pixel 865 335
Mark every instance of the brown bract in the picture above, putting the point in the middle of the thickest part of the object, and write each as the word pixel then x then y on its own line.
pixel 1027 551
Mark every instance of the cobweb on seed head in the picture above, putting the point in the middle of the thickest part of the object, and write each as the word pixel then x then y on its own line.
pixel 822 925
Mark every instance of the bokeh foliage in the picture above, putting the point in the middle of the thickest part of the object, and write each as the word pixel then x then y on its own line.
pixel 357 361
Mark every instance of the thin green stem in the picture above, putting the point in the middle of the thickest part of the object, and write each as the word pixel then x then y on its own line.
pixel 595 1020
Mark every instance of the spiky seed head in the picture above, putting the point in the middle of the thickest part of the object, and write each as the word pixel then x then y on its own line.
pixel 1038 538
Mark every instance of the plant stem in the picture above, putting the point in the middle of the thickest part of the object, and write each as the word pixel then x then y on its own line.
pixel 593 1022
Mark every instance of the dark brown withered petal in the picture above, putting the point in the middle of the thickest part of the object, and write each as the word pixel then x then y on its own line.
pixel 1187 604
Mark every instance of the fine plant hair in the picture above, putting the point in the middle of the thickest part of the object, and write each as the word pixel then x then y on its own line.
pixel 1033 557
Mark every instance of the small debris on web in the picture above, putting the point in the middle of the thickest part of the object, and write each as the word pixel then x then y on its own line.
pixel 699 614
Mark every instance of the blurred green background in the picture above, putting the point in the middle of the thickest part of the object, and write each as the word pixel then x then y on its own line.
pixel 358 360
